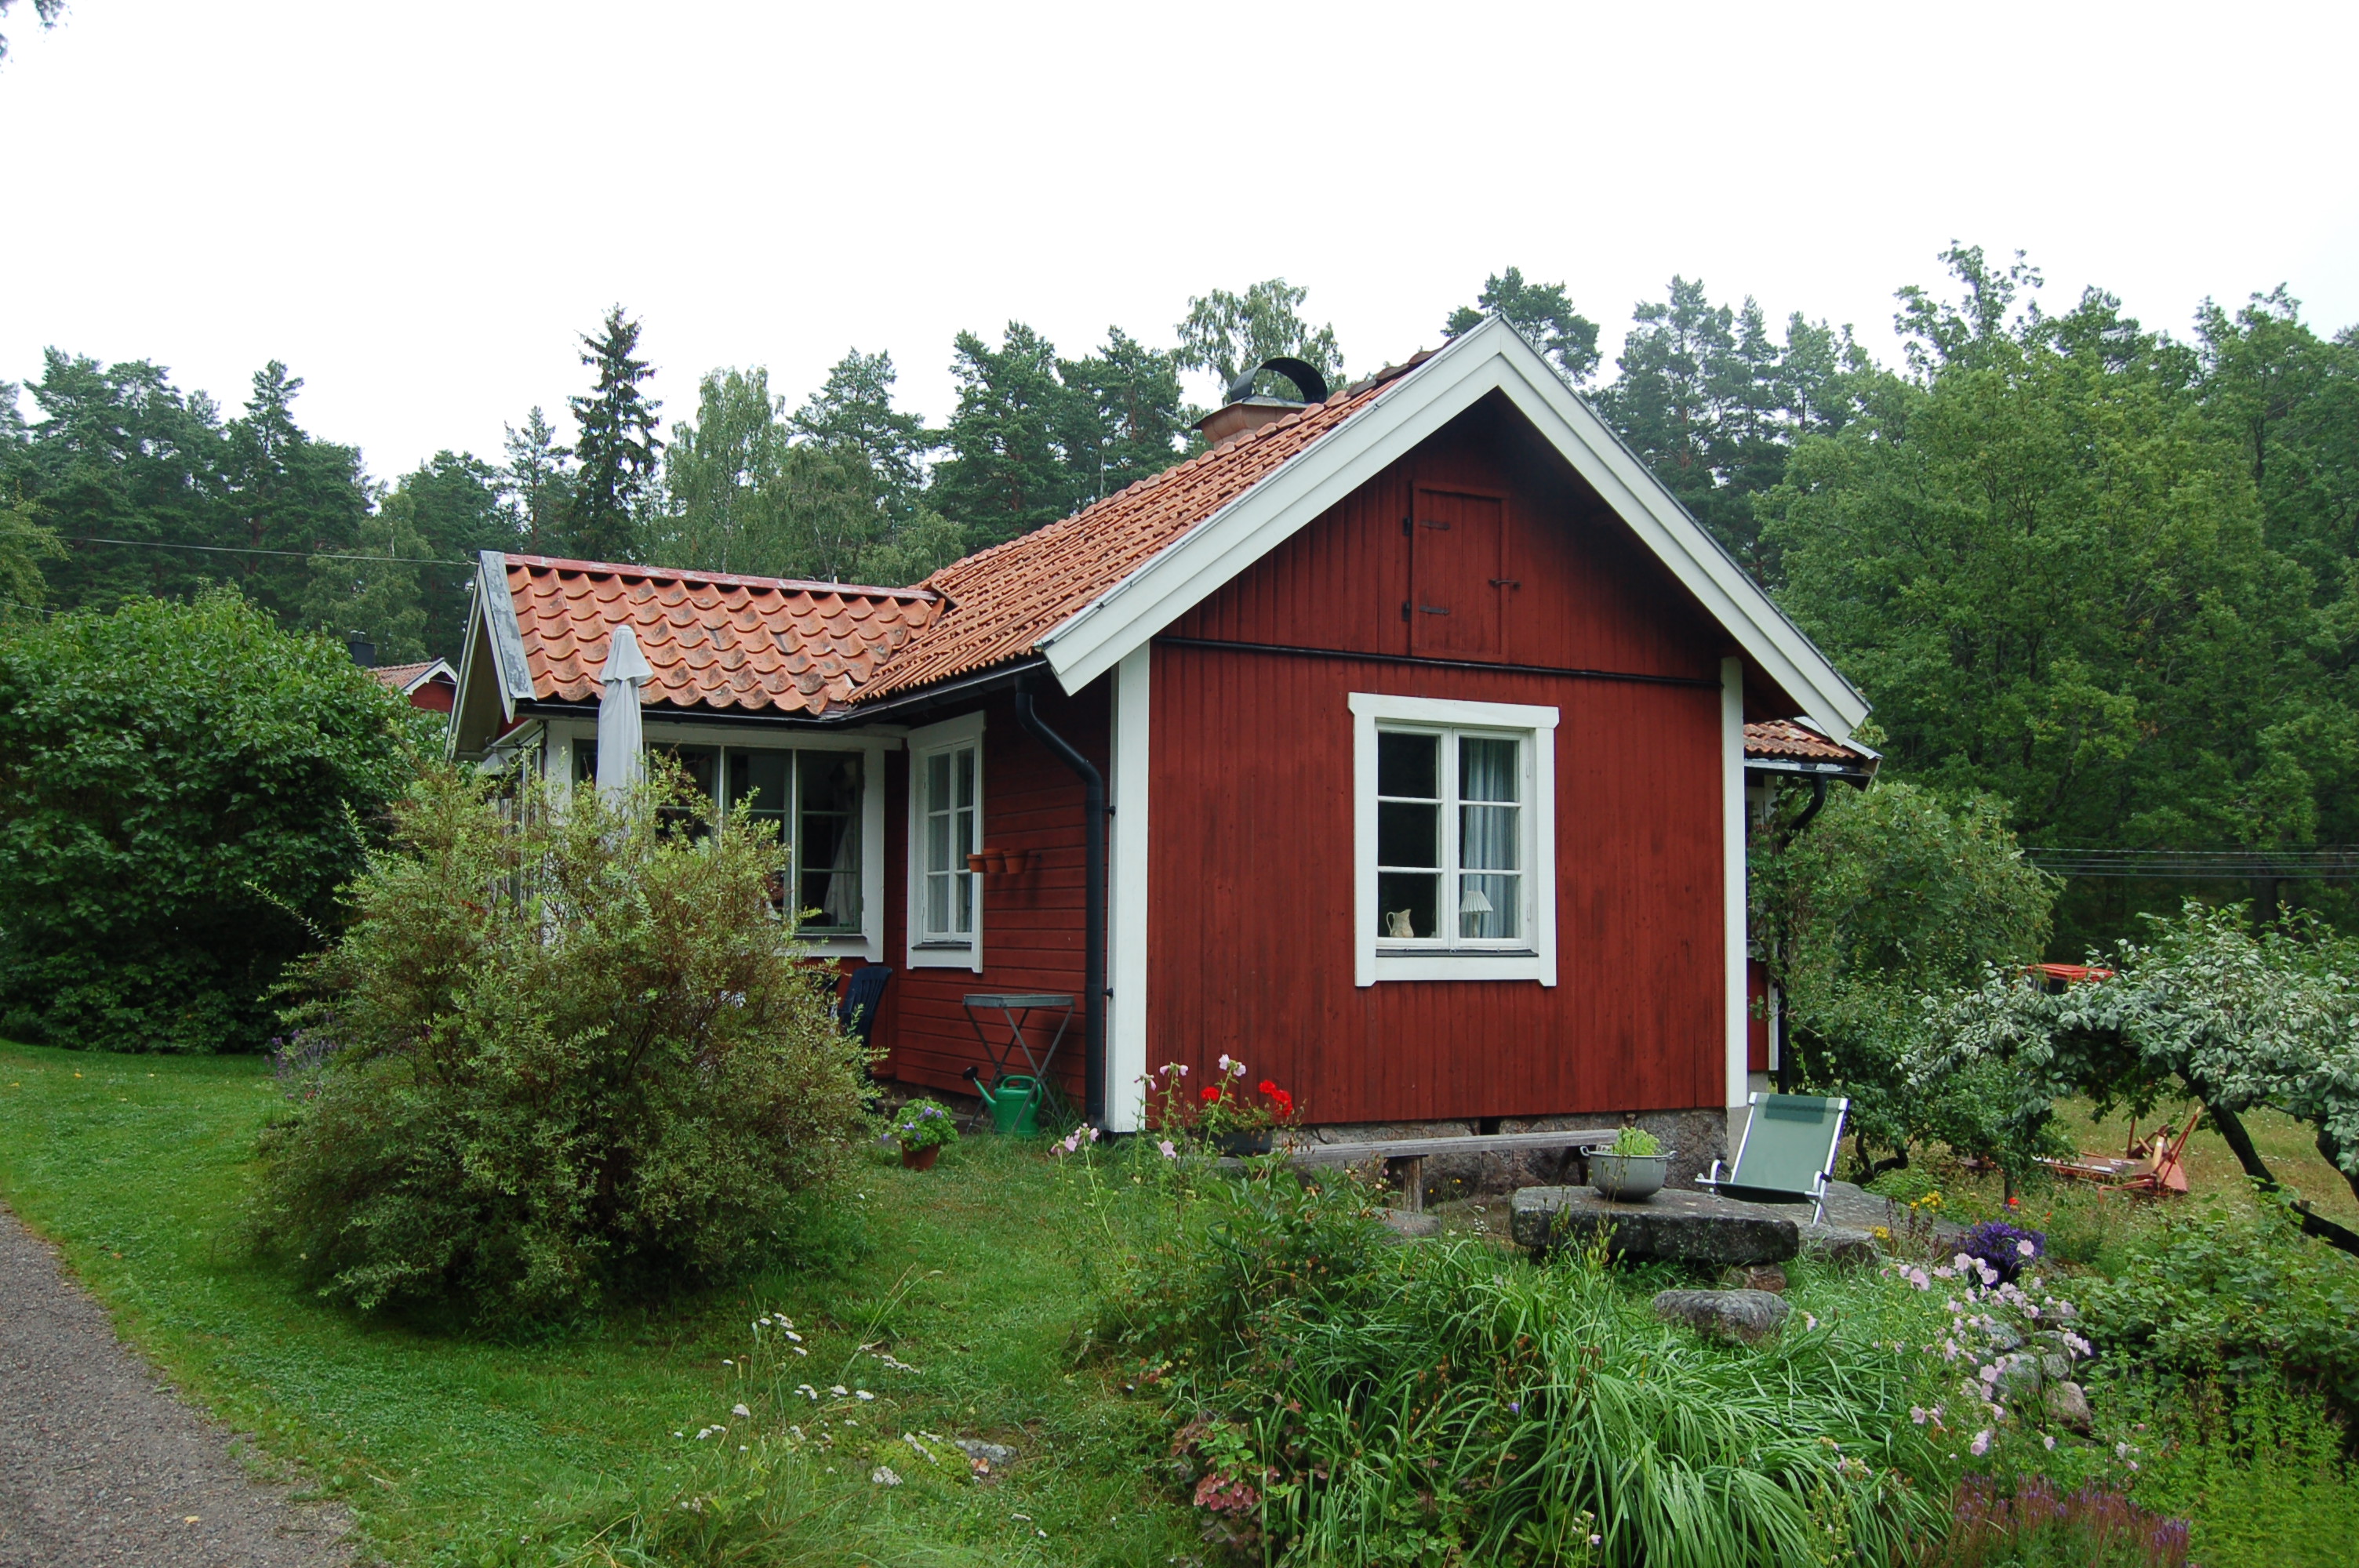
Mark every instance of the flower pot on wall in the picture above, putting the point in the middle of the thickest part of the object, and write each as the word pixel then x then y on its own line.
pixel 921 1159
pixel 978 862
pixel 1627 1178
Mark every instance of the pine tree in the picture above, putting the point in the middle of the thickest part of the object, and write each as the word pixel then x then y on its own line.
pixel 538 481
pixel 453 506
pixel 1007 473
pixel 854 407
pixel 617 448
pixel 288 493
pixel 1123 414
pixel 1545 314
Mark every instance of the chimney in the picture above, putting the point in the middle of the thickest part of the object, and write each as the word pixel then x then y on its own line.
pixel 1241 411
pixel 363 651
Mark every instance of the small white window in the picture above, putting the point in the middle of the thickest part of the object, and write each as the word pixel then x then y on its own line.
pixel 945 827
pixel 1454 823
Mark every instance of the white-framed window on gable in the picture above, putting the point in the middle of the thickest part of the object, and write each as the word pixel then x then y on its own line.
pixel 1454 839
pixel 945 827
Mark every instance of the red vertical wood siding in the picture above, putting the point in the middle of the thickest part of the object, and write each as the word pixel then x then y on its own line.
pixel 1251 923
pixel 1031 923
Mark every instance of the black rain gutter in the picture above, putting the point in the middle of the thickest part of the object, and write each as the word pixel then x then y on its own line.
pixel 1094 934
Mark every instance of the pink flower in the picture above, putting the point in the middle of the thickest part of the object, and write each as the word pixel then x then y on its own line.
pixel 2049 1440
pixel 2023 1248
pixel 1918 1414
pixel 1224 1060
pixel 1917 1278
pixel 1169 1150
pixel 1981 1444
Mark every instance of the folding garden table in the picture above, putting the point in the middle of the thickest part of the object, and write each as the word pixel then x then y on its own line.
pixel 1015 1010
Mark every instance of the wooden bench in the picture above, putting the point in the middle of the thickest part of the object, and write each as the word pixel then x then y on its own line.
pixel 1413 1151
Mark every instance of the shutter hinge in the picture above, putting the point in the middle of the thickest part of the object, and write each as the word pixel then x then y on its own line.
pixel 1432 609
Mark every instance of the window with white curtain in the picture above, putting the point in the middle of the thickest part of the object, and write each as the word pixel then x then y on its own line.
pixel 1454 823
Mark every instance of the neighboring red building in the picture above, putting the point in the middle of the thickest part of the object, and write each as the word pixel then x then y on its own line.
pixel 432 686
pixel 1421 716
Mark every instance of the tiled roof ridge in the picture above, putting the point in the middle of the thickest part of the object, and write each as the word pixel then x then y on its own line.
pixel 719 579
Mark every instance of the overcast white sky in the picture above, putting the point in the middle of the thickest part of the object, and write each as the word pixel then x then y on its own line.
pixel 418 206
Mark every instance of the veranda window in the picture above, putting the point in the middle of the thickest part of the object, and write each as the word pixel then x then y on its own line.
pixel 947 827
pixel 810 799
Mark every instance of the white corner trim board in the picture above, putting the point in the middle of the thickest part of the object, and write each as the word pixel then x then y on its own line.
pixel 1371 962
pixel 1732 871
pixel 1126 940
pixel 1492 358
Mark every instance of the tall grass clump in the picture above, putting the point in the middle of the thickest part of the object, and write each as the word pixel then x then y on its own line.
pixel 564 1053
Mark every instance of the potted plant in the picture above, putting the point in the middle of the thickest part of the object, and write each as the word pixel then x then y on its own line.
pixel 1631 1169
pixel 923 1130
pixel 1221 1115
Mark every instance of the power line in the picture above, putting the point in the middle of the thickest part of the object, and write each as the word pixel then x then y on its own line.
pixel 256 550
pixel 2329 862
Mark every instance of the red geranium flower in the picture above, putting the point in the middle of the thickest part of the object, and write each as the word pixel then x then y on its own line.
pixel 1211 1092
pixel 1267 1087
pixel 1285 1102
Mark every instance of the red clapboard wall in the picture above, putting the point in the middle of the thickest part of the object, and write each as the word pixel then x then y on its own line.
pixel 1031 923
pixel 1251 919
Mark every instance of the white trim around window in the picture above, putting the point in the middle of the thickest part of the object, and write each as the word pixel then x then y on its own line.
pixel 946 759
pixel 1464 794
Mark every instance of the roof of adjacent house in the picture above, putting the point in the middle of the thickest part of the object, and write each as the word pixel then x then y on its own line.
pixel 714 640
pixel 1783 739
pixel 401 677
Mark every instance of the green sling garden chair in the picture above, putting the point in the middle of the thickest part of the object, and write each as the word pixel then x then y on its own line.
pixel 1788 1152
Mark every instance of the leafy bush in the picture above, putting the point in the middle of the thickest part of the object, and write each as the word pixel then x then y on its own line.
pixel 1891 893
pixel 572 1055
pixel 2218 1297
pixel 2261 1470
pixel 183 788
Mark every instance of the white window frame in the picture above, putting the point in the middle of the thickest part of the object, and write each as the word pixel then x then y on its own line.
pixel 868 942
pixel 932 740
pixel 1376 960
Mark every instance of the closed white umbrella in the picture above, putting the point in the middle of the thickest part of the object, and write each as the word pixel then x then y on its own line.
pixel 621 756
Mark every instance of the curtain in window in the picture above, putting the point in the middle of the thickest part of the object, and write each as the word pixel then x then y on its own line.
pixel 1490 901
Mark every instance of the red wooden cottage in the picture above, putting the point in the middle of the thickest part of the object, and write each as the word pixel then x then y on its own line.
pixel 1411 724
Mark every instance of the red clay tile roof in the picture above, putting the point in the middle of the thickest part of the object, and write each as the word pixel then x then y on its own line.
pixel 1782 738
pixel 1003 600
pixel 716 640
pixel 398 676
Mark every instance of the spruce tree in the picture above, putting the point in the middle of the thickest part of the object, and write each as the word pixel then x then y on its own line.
pixel 538 482
pixel 617 447
pixel 1006 473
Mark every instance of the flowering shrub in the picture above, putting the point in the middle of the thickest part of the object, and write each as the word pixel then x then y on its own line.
pixel 1219 1107
pixel 2007 1250
pixel 920 1125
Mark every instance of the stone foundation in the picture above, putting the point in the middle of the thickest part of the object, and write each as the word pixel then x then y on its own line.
pixel 1694 1139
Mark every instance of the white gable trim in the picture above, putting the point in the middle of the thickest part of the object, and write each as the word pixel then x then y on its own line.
pixel 1493 357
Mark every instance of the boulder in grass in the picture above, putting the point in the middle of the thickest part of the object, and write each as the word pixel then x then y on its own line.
pixel 1674 1225
pixel 2069 1406
pixel 1736 1317
pixel 1838 1244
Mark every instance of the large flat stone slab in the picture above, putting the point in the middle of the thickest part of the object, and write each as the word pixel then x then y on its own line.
pixel 1674 1225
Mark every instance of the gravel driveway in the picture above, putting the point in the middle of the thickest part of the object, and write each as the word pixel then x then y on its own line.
pixel 102 1467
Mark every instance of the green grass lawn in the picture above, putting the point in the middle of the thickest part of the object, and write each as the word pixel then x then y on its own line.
pixel 457 1451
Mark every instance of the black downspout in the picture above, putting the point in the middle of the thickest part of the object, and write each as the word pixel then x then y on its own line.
pixel 1093 873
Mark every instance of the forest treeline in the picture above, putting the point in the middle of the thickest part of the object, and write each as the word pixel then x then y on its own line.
pixel 2101 570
